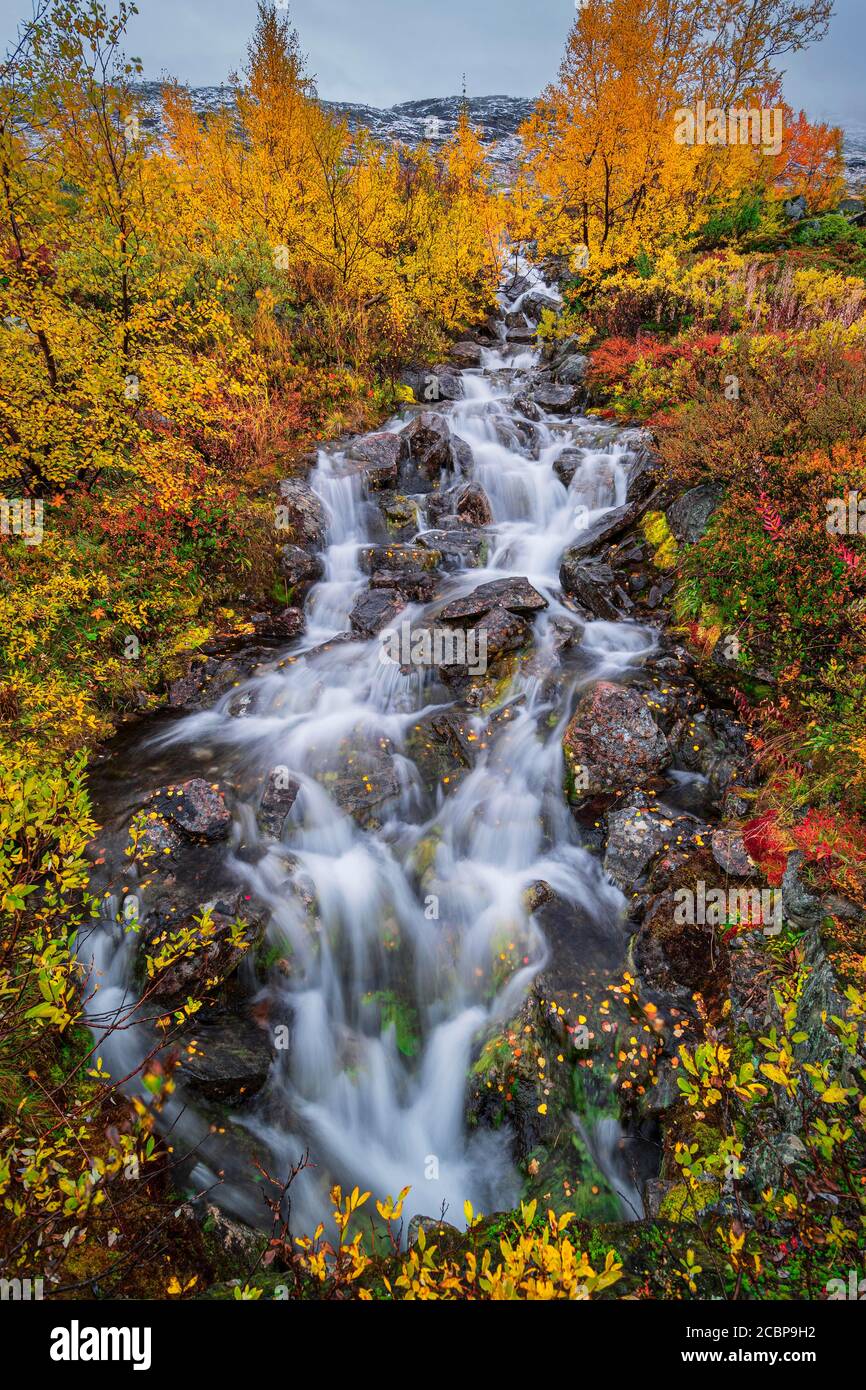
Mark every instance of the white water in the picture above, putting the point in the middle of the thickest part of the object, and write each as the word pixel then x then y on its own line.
pixel 369 1114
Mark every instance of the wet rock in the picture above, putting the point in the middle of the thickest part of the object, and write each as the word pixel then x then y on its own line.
pixel 612 741
pixel 279 627
pixel 567 465
pixel 216 957
pixel 679 958
pixel 517 595
pixel 196 807
pixel 712 743
pixel 432 384
pixel 503 631
pixel 361 780
pixel 382 453
pixel 571 370
pixel 443 384
pixel 401 515
pixel 299 567
pixel 465 503
pixel 636 834
pixel 730 853
pixel 537 895
pixel 472 506
pixel 612 524
pixel 208 679
pixel 458 548
pixel 594 588
pixel 527 406
pixel 443 748
pixel 418 586
pixel 466 354
pixel 689 516
pixel 236 1249
pixel 302 512
pixel 429 442
pixel 225 1057
pixel 391 558
pixel 520 336
pixel 375 610
pixel 644 476
pixel 518 436
pixel 581 946
pixel 536 302
pixel 279 797
pixel 556 399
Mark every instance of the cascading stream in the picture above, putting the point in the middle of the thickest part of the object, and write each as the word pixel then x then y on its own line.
pixel 350 909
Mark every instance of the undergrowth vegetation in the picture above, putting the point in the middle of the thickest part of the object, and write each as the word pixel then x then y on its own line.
pixel 179 319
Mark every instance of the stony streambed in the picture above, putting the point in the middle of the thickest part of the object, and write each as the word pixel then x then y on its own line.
pixel 449 794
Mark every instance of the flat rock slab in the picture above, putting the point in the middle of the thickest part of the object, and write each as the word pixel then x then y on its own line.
pixel 379 558
pixel 517 595
pixel 456 547
pixel 419 586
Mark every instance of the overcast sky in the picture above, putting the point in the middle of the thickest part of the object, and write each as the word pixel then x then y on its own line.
pixel 386 51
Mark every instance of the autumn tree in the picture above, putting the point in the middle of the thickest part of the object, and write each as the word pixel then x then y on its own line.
pixel 602 158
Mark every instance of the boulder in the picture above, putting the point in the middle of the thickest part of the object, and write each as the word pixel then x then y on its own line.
pixel 227 1057
pixel 381 558
pixel 535 302
pixel 466 354
pixel 302 512
pixel 613 740
pixel 595 589
pixel 382 453
pixel 375 610
pixel 429 443
pixel 457 547
pixel 299 567
pixel 679 958
pixel 570 371
pixel 472 506
pixel 521 336
pixel 360 780
pixel 196 807
pixel 636 834
pixel 516 595
pixel 433 384
pixel 401 514
pixel 279 627
pixel 567 465
pixel 527 406
pixel 607 527
pixel 216 957
pixel 689 516
pixel 556 399
pixel 419 586
pixel 729 852
pixel 503 631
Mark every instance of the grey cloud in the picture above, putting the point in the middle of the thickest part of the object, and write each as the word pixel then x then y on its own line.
pixel 386 51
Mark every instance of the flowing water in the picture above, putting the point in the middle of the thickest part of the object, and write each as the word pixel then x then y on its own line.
pixel 349 908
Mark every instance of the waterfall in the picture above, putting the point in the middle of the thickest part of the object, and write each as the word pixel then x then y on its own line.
pixel 370 1110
